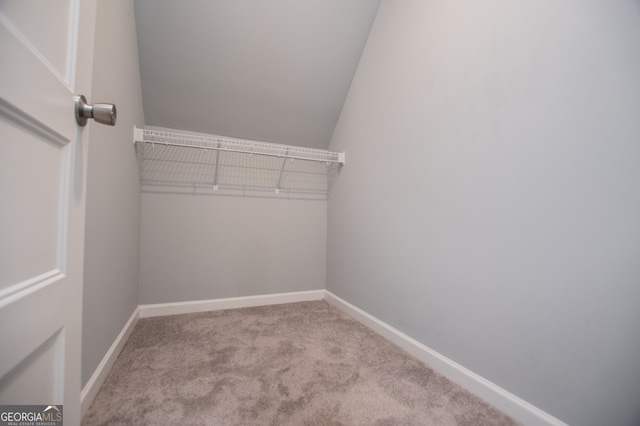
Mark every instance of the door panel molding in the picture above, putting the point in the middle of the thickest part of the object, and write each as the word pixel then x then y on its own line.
pixel 30 124
pixel 45 364
pixel 22 289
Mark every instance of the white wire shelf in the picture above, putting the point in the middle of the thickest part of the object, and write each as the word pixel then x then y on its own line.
pixel 174 161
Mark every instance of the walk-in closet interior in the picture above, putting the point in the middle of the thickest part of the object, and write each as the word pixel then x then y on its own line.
pixel 459 177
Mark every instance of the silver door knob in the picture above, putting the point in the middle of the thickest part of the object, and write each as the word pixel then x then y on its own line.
pixel 102 113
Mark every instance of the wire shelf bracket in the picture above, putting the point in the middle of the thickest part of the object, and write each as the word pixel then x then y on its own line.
pixel 180 161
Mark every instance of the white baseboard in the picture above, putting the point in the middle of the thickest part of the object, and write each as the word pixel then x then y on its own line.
pixel 162 309
pixel 92 387
pixel 503 400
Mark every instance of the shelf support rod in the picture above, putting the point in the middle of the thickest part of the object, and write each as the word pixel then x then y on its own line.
pixel 284 163
pixel 215 177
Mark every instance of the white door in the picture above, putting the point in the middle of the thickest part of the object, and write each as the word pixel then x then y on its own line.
pixel 46 57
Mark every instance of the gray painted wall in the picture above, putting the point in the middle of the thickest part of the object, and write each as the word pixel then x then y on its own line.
pixel 490 205
pixel 198 247
pixel 113 192
pixel 276 70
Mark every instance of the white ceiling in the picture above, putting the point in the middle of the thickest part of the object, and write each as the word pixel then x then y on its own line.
pixel 271 70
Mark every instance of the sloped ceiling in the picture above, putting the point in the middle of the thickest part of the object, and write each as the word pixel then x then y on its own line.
pixel 271 70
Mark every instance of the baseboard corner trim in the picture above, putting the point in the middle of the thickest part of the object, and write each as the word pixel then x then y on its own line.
pixel 98 377
pixel 519 409
pixel 174 308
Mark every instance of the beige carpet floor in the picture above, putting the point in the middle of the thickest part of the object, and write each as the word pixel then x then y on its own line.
pixel 302 363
